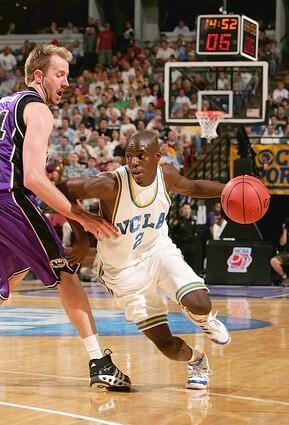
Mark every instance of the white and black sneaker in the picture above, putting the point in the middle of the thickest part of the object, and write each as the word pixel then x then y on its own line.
pixel 104 374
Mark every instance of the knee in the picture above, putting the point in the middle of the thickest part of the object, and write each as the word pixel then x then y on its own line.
pixel 172 348
pixel 274 262
pixel 198 302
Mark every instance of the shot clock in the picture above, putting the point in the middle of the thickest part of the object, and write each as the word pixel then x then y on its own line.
pixel 227 35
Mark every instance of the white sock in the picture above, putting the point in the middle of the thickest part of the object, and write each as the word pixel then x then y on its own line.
pixel 284 276
pixel 92 346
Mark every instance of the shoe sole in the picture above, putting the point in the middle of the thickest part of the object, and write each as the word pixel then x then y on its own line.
pixel 107 387
pixel 221 343
pixel 196 386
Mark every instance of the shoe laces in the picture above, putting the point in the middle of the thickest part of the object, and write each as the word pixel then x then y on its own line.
pixel 199 368
pixel 211 321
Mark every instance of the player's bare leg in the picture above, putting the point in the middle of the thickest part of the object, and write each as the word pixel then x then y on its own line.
pixel 76 304
pixel 103 373
pixel 177 349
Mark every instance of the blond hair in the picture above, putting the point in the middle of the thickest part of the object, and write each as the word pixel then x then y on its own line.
pixel 39 58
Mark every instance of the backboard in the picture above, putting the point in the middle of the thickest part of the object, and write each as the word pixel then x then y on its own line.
pixel 240 89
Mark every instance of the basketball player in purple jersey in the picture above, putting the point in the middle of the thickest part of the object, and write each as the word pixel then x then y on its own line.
pixel 27 240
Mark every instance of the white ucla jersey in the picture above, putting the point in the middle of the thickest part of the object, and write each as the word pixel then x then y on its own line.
pixel 142 225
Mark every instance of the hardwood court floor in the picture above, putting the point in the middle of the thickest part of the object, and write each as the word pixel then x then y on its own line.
pixel 44 377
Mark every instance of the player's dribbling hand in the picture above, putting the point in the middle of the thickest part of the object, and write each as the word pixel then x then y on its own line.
pixel 79 249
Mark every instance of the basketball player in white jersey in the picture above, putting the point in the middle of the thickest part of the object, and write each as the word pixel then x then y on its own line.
pixel 142 267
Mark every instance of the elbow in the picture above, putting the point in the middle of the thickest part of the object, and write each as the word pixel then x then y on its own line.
pixel 28 183
pixel 31 181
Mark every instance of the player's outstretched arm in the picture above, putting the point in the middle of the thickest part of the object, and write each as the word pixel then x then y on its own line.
pixel 103 187
pixel 39 123
pixel 196 188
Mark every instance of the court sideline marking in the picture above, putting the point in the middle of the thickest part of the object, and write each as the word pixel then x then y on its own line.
pixel 46 375
pixel 261 400
pixel 239 397
pixel 59 412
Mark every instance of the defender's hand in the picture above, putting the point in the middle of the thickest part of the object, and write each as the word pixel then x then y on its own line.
pixel 95 224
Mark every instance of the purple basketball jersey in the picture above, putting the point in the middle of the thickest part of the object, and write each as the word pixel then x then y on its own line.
pixel 27 240
pixel 11 141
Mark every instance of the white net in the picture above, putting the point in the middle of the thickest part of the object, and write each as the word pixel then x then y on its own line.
pixel 209 121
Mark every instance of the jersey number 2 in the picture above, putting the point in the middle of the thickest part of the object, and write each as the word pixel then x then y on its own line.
pixel 3 116
pixel 138 240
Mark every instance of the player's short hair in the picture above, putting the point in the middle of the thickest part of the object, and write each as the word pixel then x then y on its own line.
pixel 145 135
pixel 39 58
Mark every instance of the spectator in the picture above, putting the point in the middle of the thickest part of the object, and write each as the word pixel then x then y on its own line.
pixel 119 151
pixel 165 52
pixel 84 150
pixel 121 102
pixel 89 48
pixel 63 149
pixel 127 36
pixel 103 128
pixel 127 71
pixel 132 109
pixel 57 121
pixel 52 29
pixel 11 28
pixel 223 82
pixel 114 123
pixel 219 225
pixel 280 262
pixel 7 59
pixel 185 235
pixel 91 169
pixel 211 220
pixel 181 27
pixel 88 116
pixel 101 151
pixel 68 131
pixel 126 126
pixel 105 41
pixel 81 131
pixel 270 136
pixel 93 139
pixel 166 158
pixel 280 92
pixel 7 86
pixel 70 29
pixel 74 168
pixel 148 98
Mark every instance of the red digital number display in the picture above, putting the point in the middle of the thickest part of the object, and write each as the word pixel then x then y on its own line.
pixel 250 31
pixel 249 46
pixel 218 34
pixel 218 42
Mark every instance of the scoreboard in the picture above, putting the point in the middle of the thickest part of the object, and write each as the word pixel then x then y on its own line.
pixel 227 35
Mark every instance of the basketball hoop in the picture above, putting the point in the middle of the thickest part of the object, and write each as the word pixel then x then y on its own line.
pixel 209 121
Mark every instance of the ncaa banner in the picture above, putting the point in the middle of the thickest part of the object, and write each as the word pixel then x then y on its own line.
pixel 272 163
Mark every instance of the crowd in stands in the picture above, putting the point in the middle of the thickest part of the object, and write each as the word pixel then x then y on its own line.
pixel 117 85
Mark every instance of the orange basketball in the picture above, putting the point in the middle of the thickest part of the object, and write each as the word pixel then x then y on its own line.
pixel 245 199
